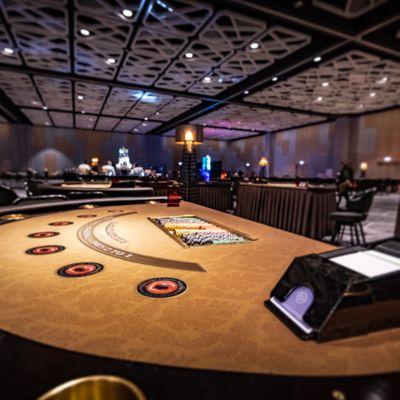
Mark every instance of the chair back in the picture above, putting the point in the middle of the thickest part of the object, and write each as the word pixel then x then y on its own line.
pixel 363 204
pixel 7 196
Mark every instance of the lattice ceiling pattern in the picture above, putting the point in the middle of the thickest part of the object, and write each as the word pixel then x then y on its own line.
pixel 139 66
pixel 171 29
pixel 56 94
pixel 350 83
pixel 254 119
pixel 226 134
pixel 347 8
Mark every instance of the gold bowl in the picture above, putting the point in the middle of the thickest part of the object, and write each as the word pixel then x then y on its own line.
pixel 96 387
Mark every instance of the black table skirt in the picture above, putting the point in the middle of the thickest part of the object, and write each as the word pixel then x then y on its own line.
pixel 216 197
pixel 302 211
pixel 397 228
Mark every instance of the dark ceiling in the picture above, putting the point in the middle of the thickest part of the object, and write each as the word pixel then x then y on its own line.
pixel 238 67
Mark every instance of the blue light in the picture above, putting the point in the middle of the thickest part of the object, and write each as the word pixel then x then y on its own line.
pixel 206 167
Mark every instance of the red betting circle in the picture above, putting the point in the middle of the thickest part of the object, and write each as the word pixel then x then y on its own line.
pixel 162 287
pixel 43 250
pixel 61 223
pixel 81 269
pixel 45 234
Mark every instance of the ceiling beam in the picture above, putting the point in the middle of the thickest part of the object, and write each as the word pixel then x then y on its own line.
pixel 10 111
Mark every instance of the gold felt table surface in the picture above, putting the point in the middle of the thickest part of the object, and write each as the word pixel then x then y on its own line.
pixel 218 323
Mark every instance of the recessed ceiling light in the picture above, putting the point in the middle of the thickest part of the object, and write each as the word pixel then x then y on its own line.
pixel 189 55
pixel 144 124
pixel 127 13
pixel 372 94
pixel 254 45
pixel 91 119
pixel 247 164
pixel 83 111
pixel 382 81
pixel 79 97
pixel 146 119
pixel 361 106
pixel 47 123
pixel 325 84
pixel 317 59
pixel 45 108
pixel 207 79
pixel 387 159
pixel 220 80
pixel 8 51
pixel 110 61
pixel 319 98
pixel 274 79
pixel 135 130
pixel 158 113
pixel 35 103
pixel 84 32
pixel 246 92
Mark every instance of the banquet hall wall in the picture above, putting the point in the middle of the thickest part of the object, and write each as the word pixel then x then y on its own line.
pixel 322 147
pixel 367 138
pixel 37 147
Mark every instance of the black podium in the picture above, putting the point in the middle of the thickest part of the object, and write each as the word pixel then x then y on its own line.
pixel 341 293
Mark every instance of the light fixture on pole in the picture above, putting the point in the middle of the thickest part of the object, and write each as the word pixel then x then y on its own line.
pixel 263 163
pixel 363 169
pixel 189 136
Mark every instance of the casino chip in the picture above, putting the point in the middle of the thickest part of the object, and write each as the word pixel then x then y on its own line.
pixel 161 287
pixel 80 269
pixel 87 216
pixel 14 217
pixel 43 250
pixel 88 206
pixel 45 234
pixel 61 223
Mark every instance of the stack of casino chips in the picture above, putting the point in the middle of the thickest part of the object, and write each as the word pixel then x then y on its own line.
pixel 204 237
pixel 194 231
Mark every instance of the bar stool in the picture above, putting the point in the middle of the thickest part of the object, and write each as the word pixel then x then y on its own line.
pixel 357 212
pixel 97 387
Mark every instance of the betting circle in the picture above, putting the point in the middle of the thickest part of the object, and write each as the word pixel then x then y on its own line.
pixel 78 270
pixel 61 223
pixel 43 250
pixel 161 287
pixel 45 234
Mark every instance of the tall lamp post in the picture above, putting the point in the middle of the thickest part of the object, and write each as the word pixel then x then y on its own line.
pixel 263 163
pixel 363 169
pixel 189 136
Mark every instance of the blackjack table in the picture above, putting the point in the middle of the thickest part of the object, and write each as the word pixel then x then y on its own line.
pixel 87 188
pixel 102 288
